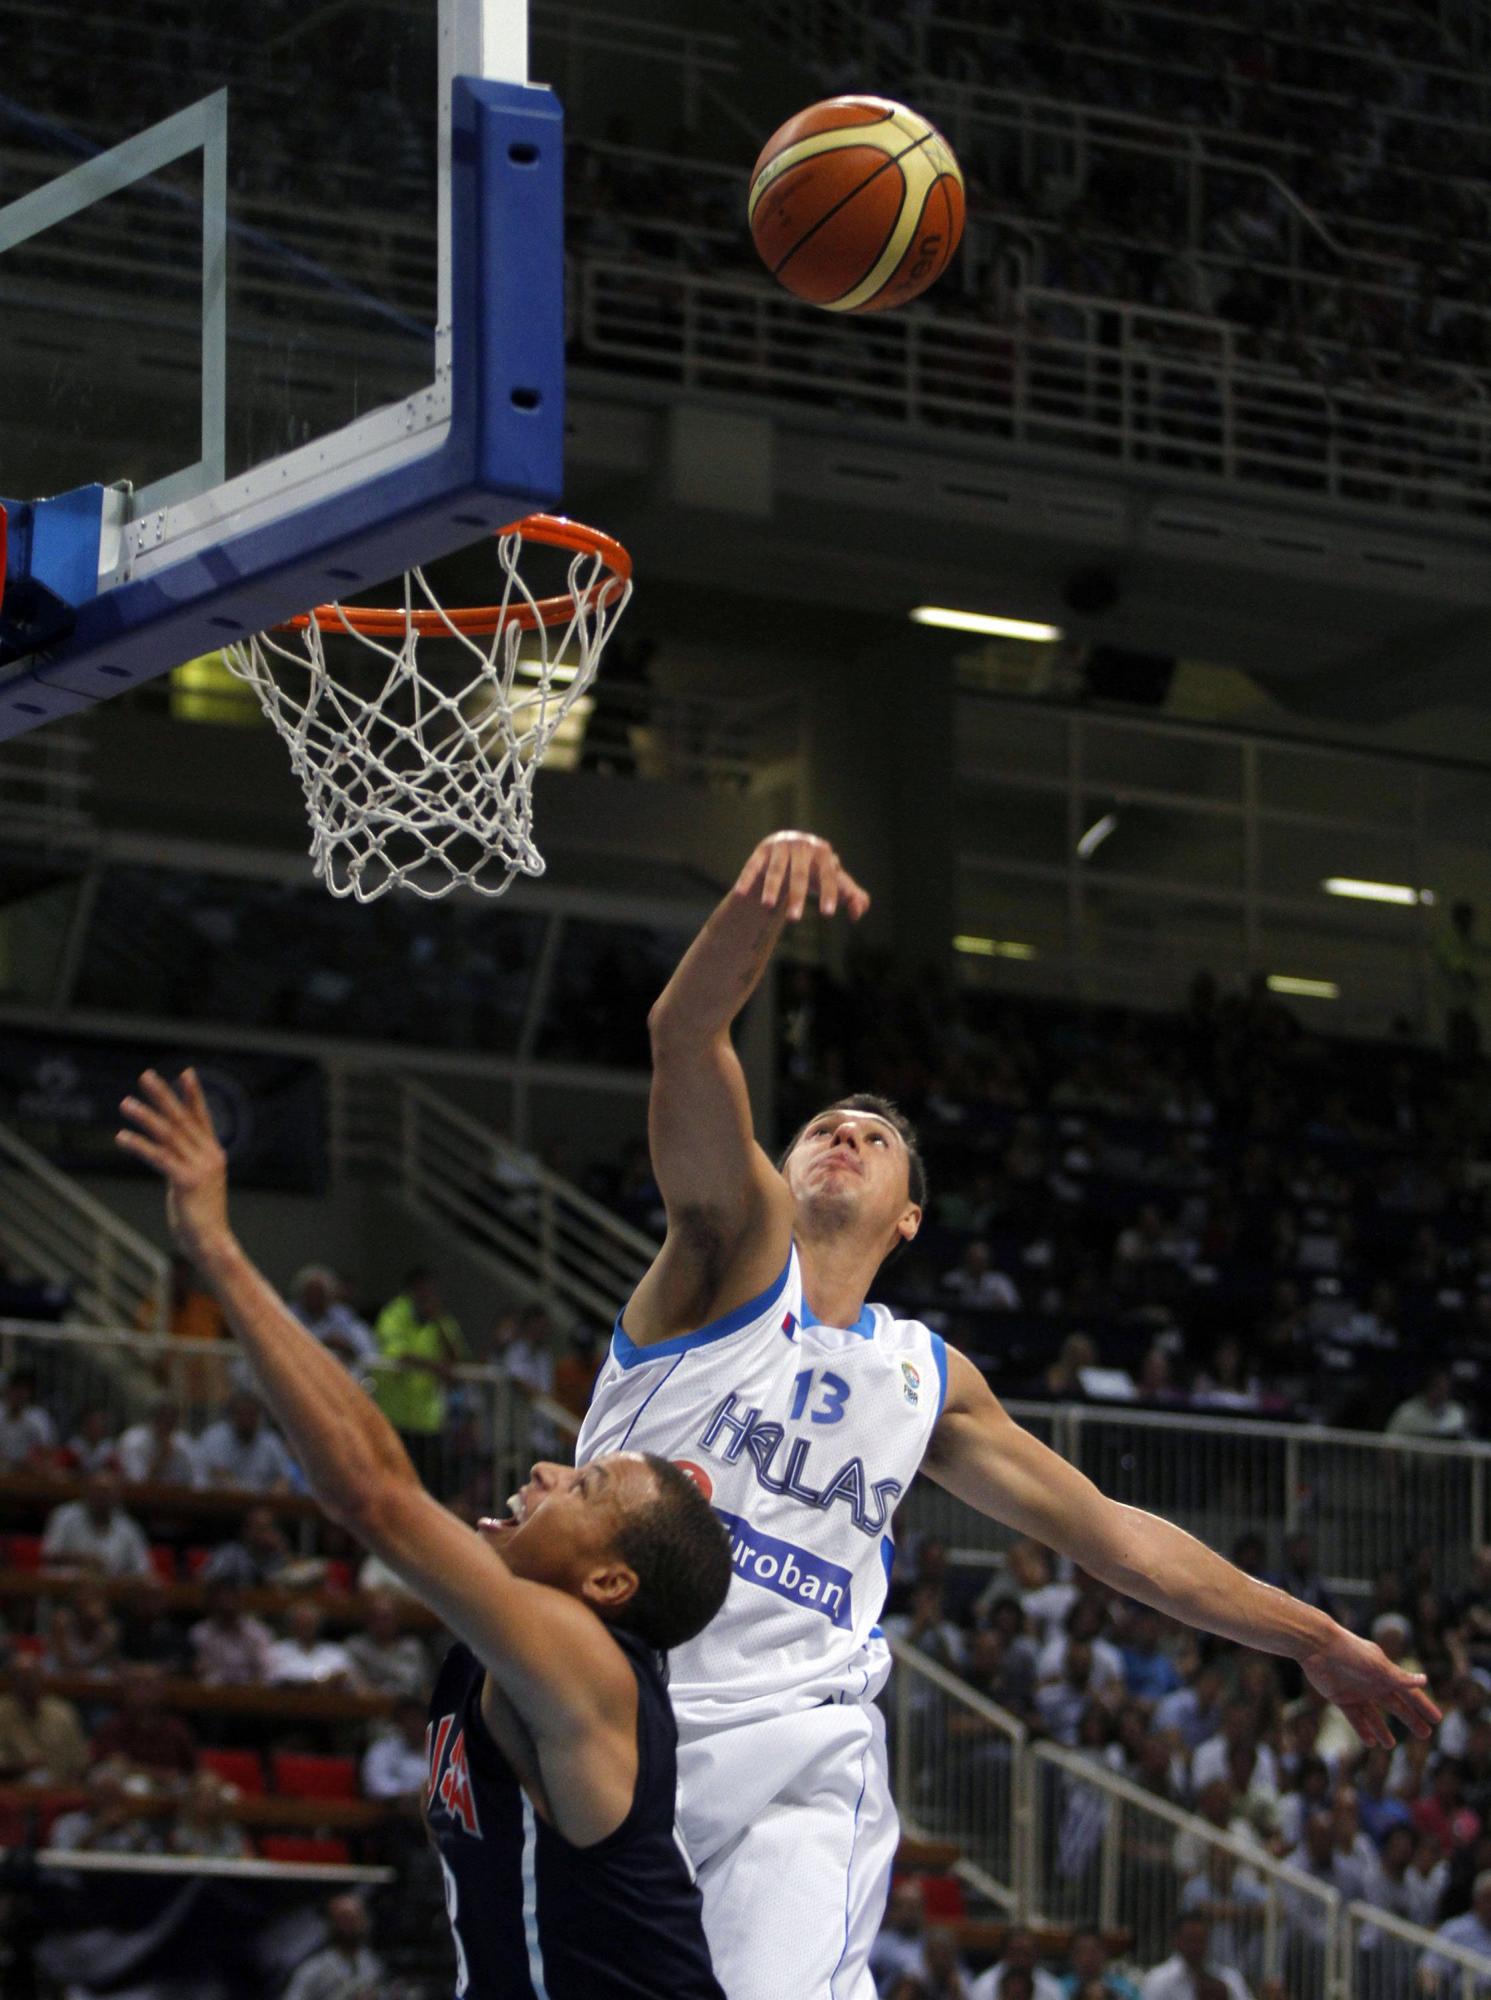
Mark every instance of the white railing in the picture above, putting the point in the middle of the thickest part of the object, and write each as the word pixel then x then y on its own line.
pixel 492 1434
pixel 1110 1853
pixel 549 1238
pixel 1165 395
pixel 960 1774
pixel 1051 1836
pixel 1363 1497
pixel 53 1228
pixel 1385 1955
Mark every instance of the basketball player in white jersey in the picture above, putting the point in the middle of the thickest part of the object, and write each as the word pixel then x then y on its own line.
pixel 749 1355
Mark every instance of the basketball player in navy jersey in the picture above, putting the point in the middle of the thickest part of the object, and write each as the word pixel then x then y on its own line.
pixel 748 1351
pixel 553 1766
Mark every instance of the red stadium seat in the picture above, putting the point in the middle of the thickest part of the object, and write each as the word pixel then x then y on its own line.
pixel 163 1562
pixel 192 1561
pixel 243 1768
pixel 23 1551
pixel 942 1899
pixel 302 1847
pixel 338 1574
pixel 299 1775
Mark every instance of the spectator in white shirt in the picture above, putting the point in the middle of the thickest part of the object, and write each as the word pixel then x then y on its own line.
pixel 95 1534
pixel 397 1764
pixel 1020 1953
pixel 1061 1704
pixel 1433 1413
pixel 1213 1758
pixel 973 1281
pixel 388 1660
pixel 317 1302
pixel 1084 1621
pixel 1438 1973
pixel 93 1447
pixel 1190 1972
pixel 27 1434
pixel 346 1968
pixel 241 1450
pixel 158 1452
pixel 303 1657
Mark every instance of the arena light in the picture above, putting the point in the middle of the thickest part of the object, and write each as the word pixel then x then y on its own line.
pixel 533 670
pixel 1304 989
pixel 1375 892
pixel 1095 835
pixel 948 620
pixel 982 947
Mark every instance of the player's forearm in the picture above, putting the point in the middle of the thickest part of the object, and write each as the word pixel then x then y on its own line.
pixel 1151 1559
pixel 719 972
pixel 345 1444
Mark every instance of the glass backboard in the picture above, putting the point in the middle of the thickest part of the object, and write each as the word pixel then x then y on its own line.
pixel 282 313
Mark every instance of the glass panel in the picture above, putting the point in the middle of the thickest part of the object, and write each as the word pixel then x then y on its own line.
pixel 1161 760
pixel 330 223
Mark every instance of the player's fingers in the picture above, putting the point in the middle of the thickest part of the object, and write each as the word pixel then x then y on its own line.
pixel 828 882
pixel 1415 1708
pixel 191 1090
pixel 856 899
pixel 776 874
pixel 160 1093
pixel 143 1149
pixel 751 874
pixel 802 876
pixel 149 1120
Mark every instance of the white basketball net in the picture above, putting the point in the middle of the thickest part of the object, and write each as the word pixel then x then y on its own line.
pixel 418 765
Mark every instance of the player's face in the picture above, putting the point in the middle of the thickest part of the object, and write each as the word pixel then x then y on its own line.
pixel 561 1524
pixel 851 1163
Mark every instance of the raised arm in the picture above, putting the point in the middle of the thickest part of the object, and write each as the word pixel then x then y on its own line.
pixel 564 1674
pixel 982 1455
pixel 729 1212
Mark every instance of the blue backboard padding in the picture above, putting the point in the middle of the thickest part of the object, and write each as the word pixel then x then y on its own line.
pixel 503 456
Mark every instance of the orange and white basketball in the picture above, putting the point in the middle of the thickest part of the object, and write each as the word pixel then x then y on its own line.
pixel 856 204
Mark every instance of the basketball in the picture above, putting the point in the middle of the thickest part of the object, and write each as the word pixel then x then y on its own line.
pixel 856 204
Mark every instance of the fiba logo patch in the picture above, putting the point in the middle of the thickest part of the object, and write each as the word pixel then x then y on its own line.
pixel 699 1476
pixel 911 1383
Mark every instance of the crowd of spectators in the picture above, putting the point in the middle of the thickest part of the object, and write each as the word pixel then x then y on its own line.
pixel 1235 1737
pixel 102 1750
pixel 1218 1210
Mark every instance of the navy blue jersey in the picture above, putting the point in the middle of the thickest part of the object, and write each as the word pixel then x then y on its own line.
pixel 535 1917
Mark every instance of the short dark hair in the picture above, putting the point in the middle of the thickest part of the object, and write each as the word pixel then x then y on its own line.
pixel 882 1107
pixel 681 1554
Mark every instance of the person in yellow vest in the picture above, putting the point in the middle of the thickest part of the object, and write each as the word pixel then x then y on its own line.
pixel 423 1343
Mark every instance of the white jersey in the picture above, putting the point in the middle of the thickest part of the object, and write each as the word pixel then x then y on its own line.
pixel 804 1437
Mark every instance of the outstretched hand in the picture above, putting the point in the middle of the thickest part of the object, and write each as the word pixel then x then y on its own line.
pixel 172 1132
pixel 800 864
pixel 1365 1685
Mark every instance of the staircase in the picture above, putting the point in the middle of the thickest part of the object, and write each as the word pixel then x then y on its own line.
pixel 532 1233
pixel 51 1229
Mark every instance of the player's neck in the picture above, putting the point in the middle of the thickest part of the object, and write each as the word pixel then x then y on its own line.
pixel 836 1276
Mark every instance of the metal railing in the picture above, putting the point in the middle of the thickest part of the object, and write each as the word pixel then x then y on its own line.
pixel 1385 1956
pixel 547 1236
pixel 960 1774
pixel 1163 393
pixel 1050 1836
pixel 1108 1852
pixel 1364 1498
pixel 56 1230
pixel 491 1432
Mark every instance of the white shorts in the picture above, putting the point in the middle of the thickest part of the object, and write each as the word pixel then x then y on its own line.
pixel 790 1825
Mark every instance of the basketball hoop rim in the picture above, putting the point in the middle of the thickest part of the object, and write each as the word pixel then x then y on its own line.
pixel 378 621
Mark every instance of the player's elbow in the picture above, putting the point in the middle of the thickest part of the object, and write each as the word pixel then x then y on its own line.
pixel 672 1032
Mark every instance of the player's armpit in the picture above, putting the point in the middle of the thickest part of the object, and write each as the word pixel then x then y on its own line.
pixel 551 1654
